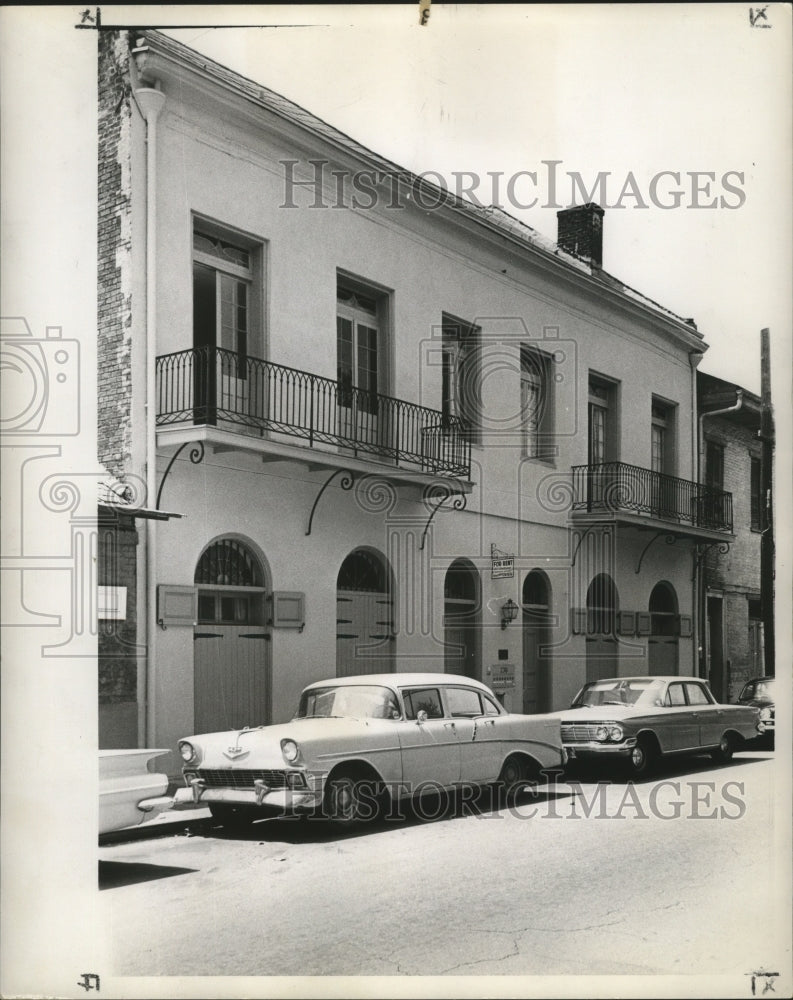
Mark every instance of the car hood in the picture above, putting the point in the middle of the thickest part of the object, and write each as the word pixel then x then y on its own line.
pixel 261 748
pixel 601 712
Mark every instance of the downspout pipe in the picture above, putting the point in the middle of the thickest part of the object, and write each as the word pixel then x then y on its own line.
pixel 737 405
pixel 694 358
pixel 150 100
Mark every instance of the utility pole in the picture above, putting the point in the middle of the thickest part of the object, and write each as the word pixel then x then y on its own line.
pixel 766 504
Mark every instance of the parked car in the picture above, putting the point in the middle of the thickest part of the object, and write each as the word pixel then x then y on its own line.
pixel 760 693
pixel 358 742
pixel 128 791
pixel 641 719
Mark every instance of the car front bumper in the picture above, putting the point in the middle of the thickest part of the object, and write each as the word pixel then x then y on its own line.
pixel 274 802
pixel 577 751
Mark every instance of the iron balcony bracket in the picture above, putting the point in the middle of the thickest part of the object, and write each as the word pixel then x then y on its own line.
pixel 670 540
pixel 196 456
pixel 437 495
pixel 347 482
pixel 700 551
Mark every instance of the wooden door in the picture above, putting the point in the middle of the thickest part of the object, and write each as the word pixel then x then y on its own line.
pixel 232 677
pixel 364 633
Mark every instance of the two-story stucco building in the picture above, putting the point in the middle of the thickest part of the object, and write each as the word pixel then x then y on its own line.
pixel 402 431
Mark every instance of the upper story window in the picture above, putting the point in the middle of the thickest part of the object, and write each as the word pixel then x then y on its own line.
pixel 756 494
pixel 226 293
pixel 714 465
pixel 662 438
pixel 602 411
pixel 361 346
pixel 460 389
pixel 536 402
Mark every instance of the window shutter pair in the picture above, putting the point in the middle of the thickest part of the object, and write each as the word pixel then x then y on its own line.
pixel 629 623
pixel 178 605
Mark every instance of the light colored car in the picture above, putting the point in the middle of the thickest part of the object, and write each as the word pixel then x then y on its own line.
pixel 642 719
pixel 129 792
pixel 356 743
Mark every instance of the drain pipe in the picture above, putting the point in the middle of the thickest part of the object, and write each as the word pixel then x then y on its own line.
pixel 150 100
pixel 694 358
pixel 700 583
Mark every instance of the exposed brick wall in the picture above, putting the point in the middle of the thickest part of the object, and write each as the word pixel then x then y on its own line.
pixel 114 300
pixel 737 572
pixel 740 567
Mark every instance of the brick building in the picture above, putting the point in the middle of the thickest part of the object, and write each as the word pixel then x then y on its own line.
pixel 731 460
pixel 404 432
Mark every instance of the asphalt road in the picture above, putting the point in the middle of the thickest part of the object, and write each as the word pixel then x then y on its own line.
pixel 678 874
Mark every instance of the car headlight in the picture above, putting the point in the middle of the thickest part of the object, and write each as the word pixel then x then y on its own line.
pixel 602 734
pixel 766 714
pixel 188 752
pixel 616 733
pixel 290 750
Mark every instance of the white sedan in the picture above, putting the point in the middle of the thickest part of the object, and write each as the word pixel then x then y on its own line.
pixel 129 792
pixel 357 743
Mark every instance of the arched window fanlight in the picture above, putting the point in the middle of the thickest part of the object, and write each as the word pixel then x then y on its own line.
pixel 228 563
pixel 535 590
pixel 460 583
pixel 363 570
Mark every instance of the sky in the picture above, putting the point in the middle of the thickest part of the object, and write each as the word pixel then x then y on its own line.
pixel 636 92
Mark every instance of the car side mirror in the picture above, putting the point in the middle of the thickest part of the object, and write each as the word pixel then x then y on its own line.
pixel 421 717
pixel 659 703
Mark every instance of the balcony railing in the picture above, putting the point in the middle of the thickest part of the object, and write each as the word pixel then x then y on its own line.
pixel 213 386
pixel 616 486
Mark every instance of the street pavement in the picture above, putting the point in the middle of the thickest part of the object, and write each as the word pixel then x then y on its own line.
pixel 680 874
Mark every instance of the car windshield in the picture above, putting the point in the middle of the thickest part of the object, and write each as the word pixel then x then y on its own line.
pixel 347 701
pixel 760 689
pixel 622 691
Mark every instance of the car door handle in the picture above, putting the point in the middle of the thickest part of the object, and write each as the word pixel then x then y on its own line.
pixel 449 725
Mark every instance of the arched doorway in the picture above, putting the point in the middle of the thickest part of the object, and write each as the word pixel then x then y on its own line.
pixel 231 644
pixel 536 634
pixel 365 637
pixel 461 620
pixel 662 643
pixel 601 641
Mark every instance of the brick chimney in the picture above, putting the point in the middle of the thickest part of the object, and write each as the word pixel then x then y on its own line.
pixel 580 231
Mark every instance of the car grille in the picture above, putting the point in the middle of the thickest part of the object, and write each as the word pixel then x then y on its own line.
pixel 574 732
pixel 241 778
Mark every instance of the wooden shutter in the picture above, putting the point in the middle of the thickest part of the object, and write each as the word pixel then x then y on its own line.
pixel 643 623
pixel 176 605
pixel 626 622
pixel 684 626
pixel 288 609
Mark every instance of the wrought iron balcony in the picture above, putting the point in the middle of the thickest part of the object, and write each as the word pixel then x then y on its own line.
pixel 213 386
pixel 612 487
